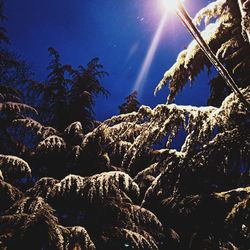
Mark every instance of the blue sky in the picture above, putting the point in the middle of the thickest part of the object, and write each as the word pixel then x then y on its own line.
pixel 119 32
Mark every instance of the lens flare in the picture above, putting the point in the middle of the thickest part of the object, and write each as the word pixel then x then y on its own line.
pixel 166 6
pixel 149 57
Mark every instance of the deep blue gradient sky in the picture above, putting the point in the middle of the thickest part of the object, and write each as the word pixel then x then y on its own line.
pixel 119 32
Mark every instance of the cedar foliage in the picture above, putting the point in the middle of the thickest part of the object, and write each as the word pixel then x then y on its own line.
pixel 226 38
pixel 109 188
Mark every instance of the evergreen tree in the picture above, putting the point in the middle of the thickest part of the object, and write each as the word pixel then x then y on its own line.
pixel 14 72
pixel 131 104
pixel 68 94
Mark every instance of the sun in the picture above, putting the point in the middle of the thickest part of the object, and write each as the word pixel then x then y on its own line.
pixel 169 5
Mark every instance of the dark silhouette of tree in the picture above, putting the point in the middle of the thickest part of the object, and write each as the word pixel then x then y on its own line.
pixel 131 104
pixel 86 86
pixel 3 36
pixel 13 70
pixel 68 94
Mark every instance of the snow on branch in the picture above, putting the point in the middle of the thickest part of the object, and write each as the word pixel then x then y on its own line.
pixel 108 183
pixel 220 158
pixel 42 187
pixel 16 107
pixel 36 127
pixel 51 143
pixel 70 183
pixel 30 205
pixel 191 61
pixel 144 218
pixel 164 121
pixel 190 204
pixel 95 188
pixel 14 167
pixel 73 135
pixel 218 34
pixel 80 239
pixel 212 10
pixel 74 129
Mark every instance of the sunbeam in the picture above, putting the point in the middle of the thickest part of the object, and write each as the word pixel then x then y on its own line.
pixel 149 57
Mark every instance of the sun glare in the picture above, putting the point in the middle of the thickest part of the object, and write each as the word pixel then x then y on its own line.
pixel 169 5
